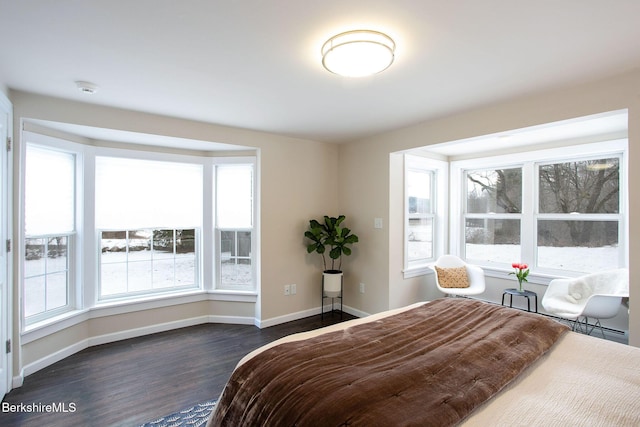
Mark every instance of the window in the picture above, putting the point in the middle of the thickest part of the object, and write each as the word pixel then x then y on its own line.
pixel 492 215
pixel 50 231
pixel 235 225
pixel 559 211
pixel 149 215
pixel 424 218
pixel 579 221
pixel 147 260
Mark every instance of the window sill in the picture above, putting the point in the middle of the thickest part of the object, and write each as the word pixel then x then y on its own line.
pixel 493 272
pixel 43 328
pixel 55 324
pixel 229 295
pixel 121 306
pixel 534 277
pixel 416 272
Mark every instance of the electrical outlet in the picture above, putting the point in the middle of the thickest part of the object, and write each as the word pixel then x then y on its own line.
pixel 287 289
pixel 362 288
pixel 294 289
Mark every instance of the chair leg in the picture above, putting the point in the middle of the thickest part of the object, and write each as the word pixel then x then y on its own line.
pixel 598 324
pixel 588 329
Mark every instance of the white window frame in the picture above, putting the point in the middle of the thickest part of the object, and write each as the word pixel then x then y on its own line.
pixel 217 230
pixel 492 215
pixel 439 171
pixel 530 214
pixel 74 243
pixel 159 157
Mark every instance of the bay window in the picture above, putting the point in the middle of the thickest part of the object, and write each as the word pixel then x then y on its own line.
pixel 103 226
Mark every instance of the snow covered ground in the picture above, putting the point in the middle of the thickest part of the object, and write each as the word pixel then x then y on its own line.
pixel 166 271
pixel 580 259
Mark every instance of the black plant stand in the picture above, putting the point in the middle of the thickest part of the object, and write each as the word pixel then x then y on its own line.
pixel 332 298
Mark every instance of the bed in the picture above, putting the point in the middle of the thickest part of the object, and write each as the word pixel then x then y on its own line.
pixel 452 361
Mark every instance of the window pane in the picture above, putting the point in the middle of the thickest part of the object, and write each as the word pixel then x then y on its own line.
pixel 496 191
pixel 233 274
pixel 578 245
pixel 227 244
pixel 139 244
pixel 235 259
pixel 185 241
pixel 57 257
pixel 419 192
pixel 146 260
pixel 132 193
pixel 185 269
pixel 163 244
pixel 34 296
pixel 56 290
pixel 234 190
pixel 34 257
pixel 589 186
pixel 244 243
pixel 420 239
pixel 113 274
pixel 496 240
pixel 46 274
pixel 139 272
pixel 49 191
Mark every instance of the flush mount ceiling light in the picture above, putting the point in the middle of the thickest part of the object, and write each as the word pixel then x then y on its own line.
pixel 358 53
pixel 86 87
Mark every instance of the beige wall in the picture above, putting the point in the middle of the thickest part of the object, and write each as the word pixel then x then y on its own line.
pixel 298 180
pixel 303 179
pixel 366 189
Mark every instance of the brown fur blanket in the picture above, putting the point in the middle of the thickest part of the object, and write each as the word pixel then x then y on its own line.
pixel 429 366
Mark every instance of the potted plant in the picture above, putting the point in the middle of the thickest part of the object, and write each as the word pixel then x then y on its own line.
pixel 330 237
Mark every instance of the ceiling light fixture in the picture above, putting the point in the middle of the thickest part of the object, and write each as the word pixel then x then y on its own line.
pixel 358 53
pixel 86 87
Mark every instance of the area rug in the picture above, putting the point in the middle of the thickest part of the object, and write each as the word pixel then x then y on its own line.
pixel 192 417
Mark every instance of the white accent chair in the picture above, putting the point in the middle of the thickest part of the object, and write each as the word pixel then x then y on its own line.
pixel 475 275
pixel 596 296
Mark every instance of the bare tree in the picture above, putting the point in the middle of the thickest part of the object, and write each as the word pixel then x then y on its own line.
pixel 587 187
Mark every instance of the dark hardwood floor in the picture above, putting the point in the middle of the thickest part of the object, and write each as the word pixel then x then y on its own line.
pixel 133 381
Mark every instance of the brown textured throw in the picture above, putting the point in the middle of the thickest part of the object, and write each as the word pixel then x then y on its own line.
pixel 429 366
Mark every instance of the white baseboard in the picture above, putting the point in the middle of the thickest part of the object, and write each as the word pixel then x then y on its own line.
pixel 306 313
pixel 122 335
pixel 352 311
pixel 50 359
pixel 162 327
pixel 286 318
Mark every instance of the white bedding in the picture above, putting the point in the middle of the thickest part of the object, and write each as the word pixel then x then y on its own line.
pixel 581 381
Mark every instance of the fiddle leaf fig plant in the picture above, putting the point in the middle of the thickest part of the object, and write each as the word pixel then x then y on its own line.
pixel 330 237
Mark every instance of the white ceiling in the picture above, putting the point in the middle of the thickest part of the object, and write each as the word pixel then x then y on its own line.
pixel 256 64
